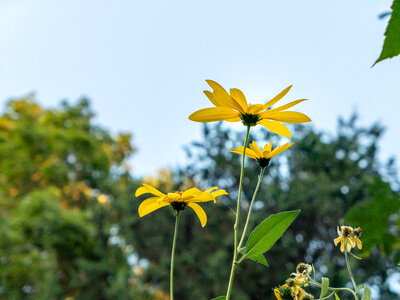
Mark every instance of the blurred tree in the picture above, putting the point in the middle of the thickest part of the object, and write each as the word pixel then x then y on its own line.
pixel 322 175
pixel 61 183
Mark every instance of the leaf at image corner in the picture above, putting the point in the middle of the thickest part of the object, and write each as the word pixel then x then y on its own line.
pixel 391 46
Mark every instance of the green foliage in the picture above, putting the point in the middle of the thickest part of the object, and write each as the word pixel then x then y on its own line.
pixel 62 183
pixel 391 46
pixel 366 294
pixel 373 216
pixel 325 286
pixel 266 234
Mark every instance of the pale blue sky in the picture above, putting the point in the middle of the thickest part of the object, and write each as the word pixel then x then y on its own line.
pixel 143 63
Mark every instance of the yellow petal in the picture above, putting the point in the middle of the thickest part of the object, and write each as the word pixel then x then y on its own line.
pixel 240 98
pixel 211 97
pixel 286 106
pixel 337 240
pixel 203 197
pixel 276 127
pixel 277 97
pixel 286 116
pixel 359 243
pixel 279 150
pixel 249 153
pixel 150 205
pixel 253 146
pixel 191 192
pixel 267 147
pixel 213 114
pixel 255 108
pixel 277 294
pixel 199 212
pixel 227 100
pixel 148 189
pixel 215 86
pixel 219 193
pixel 222 96
pixel 152 190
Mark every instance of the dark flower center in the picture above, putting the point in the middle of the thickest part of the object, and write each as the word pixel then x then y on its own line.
pixel 263 162
pixel 178 205
pixel 249 119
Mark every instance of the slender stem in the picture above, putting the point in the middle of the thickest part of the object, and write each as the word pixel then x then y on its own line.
pixel 171 282
pixel 346 256
pixel 260 177
pixel 313 282
pixel 235 227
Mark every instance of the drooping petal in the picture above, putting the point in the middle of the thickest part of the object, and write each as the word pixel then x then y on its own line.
pixel 150 205
pixel 153 190
pixel 211 189
pixel 279 150
pixel 285 116
pixel 148 189
pixel 286 106
pixel 213 114
pixel 359 243
pixel 275 127
pixel 219 193
pixel 199 212
pixel 277 97
pixel 337 240
pixel 240 98
pixel 253 146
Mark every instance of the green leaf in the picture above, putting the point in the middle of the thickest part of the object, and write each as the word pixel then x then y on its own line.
pixel 258 258
pixel 219 298
pixel 324 287
pixel 337 297
pixel 366 294
pixel 391 46
pixel 265 235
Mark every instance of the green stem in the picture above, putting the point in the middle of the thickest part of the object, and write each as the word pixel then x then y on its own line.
pixel 235 227
pixel 260 177
pixel 313 282
pixel 171 280
pixel 346 256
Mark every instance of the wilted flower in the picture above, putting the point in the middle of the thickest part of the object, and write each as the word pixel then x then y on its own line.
pixel 348 237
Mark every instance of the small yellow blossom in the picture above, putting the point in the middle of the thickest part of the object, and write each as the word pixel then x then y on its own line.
pixel 349 238
pixel 178 200
pixel 262 157
pixel 233 107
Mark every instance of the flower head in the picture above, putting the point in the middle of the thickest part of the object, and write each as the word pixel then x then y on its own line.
pixel 349 238
pixel 262 157
pixel 233 107
pixel 178 200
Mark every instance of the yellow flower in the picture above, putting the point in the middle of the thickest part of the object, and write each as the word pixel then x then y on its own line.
pixel 262 157
pixel 348 236
pixel 178 200
pixel 233 107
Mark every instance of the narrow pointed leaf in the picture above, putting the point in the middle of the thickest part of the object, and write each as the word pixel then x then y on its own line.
pixel 219 298
pixel 267 233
